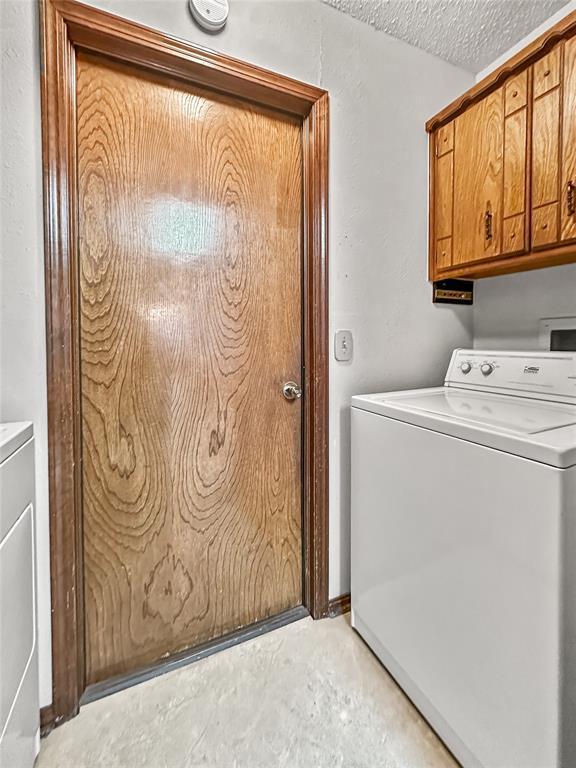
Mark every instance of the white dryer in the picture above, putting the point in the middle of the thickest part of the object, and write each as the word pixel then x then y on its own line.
pixel 464 552
pixel 19 710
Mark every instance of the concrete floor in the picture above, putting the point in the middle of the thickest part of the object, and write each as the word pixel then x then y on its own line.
pixel 309 695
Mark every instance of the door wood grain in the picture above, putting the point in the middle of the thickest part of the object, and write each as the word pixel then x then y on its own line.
pixel 67 28
pixel 190 231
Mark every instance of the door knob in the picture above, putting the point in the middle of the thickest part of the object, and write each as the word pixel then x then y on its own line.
pixel 291 391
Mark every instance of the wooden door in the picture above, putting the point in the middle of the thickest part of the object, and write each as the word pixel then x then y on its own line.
pixel 478 187
pixel 190 230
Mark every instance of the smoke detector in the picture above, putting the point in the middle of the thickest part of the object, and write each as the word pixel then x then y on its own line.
pixel 211 15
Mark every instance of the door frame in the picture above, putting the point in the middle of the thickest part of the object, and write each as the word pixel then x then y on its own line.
pixel 67 26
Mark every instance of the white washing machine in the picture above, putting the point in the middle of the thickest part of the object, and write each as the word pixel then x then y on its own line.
pixel 464 552
pixel 19 709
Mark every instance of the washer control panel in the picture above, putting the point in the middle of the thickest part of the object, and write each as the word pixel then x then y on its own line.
pixel 543 375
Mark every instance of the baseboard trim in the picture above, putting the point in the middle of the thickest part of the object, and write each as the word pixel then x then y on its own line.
pixel 339 605
pixel 47 720
pixel 120 682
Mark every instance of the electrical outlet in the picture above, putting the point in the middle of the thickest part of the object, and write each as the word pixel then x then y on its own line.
pixel 343 346
pixel 548 325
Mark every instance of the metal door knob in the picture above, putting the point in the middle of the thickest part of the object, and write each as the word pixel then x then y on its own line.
pixel 291 391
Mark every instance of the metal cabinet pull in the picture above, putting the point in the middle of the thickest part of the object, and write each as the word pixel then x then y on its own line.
pixel 488 225
pixel 570 203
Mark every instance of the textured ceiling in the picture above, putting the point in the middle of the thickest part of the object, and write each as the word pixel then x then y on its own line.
pixel 469 33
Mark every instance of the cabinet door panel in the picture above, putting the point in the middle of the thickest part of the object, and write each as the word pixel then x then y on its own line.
pixel 516 92
pixel 513 238
pixel 445 139
pixel 444 253
pixel 444 180
pixel 547 72
pixel 478 167
pixel 568 197
pixel 515 164
pixel 545 225
pixel 545 148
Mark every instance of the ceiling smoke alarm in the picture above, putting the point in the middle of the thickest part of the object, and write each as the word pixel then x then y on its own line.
pixel 211 15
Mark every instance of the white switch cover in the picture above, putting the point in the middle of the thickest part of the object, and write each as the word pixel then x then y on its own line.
pixel 343 346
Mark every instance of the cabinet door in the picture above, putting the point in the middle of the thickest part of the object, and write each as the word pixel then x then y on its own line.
pixel 478 181
pixel 568 203
pixel 514 203
pixel 443 195
pixel 546 124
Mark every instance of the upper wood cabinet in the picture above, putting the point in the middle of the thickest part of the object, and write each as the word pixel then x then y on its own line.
pixel 503 166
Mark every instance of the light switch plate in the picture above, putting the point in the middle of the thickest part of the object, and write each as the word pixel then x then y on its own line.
pixel 343 346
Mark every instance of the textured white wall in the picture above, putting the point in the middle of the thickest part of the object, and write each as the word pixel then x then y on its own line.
pixel 382 91
pixel 507 308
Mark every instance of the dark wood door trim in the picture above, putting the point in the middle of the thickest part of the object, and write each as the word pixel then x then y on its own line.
pixel 67 26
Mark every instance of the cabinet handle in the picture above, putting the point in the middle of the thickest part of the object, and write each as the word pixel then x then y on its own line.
pixel 488 225
pixel 570 203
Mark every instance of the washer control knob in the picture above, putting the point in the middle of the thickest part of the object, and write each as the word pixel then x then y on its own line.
pixel 466 367
pixel 486 368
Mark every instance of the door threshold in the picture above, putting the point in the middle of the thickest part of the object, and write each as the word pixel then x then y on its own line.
pixel 120 682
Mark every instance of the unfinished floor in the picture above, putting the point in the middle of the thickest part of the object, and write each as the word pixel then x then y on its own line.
pixel 309 695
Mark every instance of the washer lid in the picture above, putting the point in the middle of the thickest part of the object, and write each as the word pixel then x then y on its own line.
pixel 533 429
pixel 13 434
pixel 509 414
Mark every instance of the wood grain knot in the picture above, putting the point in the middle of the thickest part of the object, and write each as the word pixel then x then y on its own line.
pixel 168 587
